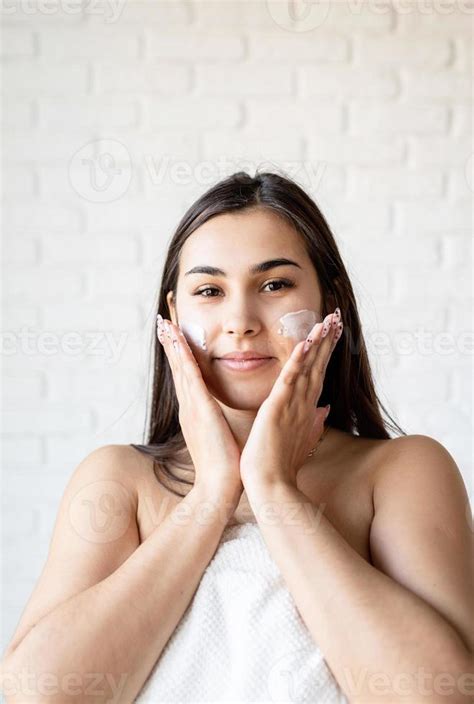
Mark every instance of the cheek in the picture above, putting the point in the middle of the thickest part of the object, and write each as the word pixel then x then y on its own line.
pixel 199 336
pixel 195 334
pixel 292 327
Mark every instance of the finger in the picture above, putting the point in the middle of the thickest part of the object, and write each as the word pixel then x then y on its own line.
pixel 184 380
pixel 320 341
pixel 187 368
pixel 190 365
pixel 315 338
pixel 309 358
pixel 318 330
pixel 284 386
pixel 313 342
pixel 335 337
pixel 337 334
pixel 318 425
pixel 164 336
pixel 318 372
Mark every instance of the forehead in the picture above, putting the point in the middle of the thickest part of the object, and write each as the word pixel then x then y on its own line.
pixel 241 239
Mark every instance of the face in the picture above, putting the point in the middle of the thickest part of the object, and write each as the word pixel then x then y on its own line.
pixel 240 308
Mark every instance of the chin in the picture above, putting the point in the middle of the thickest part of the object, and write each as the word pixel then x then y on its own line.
pixel 240 399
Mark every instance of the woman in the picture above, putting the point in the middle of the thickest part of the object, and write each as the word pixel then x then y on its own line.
pixel 270 541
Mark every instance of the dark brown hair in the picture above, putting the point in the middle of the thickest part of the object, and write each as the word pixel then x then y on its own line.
pixel 348 384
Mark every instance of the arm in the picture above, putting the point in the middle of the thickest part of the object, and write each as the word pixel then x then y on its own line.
pixel 118 626
pixel 377 628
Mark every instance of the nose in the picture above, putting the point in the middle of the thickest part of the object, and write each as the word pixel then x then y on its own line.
pixel 241 323
pixel 239 327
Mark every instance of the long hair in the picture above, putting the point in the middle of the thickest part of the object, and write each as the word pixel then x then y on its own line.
pixel 348 383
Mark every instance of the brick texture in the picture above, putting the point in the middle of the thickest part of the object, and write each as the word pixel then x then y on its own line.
pixel 368 106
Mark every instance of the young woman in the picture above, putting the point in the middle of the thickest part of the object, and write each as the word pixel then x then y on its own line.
pixel 270 541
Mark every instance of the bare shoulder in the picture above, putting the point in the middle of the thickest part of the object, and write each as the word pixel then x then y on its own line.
pixel 419 457
pixel 412 444
pixel 380 464
pixel 105 483
pixel 139 471
pixel 119 472
pixel 420 469
pixel 401 455
pixel 135 465
pixel 120 463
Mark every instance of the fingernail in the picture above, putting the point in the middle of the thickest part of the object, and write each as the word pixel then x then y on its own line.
pixel 159 325
pixel 307 344
pixel 338 332
pixel 328 408
pixel 326 325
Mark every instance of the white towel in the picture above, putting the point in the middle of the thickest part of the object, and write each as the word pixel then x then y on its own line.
pixel 241 639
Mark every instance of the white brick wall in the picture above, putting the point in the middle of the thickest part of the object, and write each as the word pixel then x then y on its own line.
pixel 369 106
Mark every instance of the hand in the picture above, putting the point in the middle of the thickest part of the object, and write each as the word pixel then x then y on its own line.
pixel 288 423
pixel 208 437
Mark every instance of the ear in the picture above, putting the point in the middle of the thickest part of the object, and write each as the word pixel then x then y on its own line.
pixel 171 306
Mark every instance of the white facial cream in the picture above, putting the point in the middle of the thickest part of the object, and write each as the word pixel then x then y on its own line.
pixel 194 332
pixel 298 324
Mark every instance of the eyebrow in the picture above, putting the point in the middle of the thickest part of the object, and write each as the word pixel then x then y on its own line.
pixel 254 269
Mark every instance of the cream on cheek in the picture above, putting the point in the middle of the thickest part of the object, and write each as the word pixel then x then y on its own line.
pixel 298 324
pixel 292 327
pixel 194 333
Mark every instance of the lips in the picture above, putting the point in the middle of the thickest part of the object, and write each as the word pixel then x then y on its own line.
pixel 244 365
pixel 245 355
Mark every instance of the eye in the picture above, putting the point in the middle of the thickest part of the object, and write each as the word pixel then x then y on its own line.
pixel 282 283
pixel 203 290
pixel 285 283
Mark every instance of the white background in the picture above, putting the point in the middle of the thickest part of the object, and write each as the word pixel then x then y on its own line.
pixel 369 107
